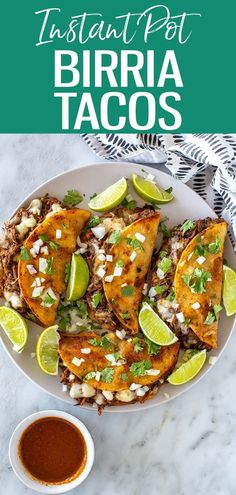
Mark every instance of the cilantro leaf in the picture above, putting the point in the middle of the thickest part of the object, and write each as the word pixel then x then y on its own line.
pixel 187 225
pixel 138 345
pixel 124 377
pixel 125 316
pixel 114 238
pixel 134 243
pixel 152 347
pixel 210 318
pixel 120 263
pixel 171 295
pixel 72 198
pixel 139 368
pixel 96 299
pixel 164 229
pixel 126 291
pixel 53 245
pixel 129 204
pixel 165 264
pixel 48 300
pixel 107 375
pixel 90 375
pixel 217 308
pixel 169 190
pixel 49 270
pixel 93 222
pixel 82 309
pixel 214 247
pixel 197 280
pixel 104 342
pixel 159 289
pixel 24 255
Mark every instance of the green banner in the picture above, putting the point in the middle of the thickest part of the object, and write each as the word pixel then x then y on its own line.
pixel 79 66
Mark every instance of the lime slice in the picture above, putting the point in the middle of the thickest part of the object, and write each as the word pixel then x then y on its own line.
pixel 154 328
pixel 47 350
pixel 15 327
pixel 229 290
pixel 150 191
pixel 111 197
pixel 79 278
pixel 188 370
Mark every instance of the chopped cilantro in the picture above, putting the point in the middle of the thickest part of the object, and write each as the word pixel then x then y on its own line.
pixel 165 264
pixel 64 226
pixel 159 289
pixel 96 299
pixel 162 254
pixel 90 375
pixel 129 204
pixel 48 299
pixel 171 295
pixel 126 291
pixel 72 198
pixel 44 237
pixel 187 321
pixel 152 347
pixel 120 263
pixel 214 247
pixel 24 255
pixel 138 345
pixel 67 271
pixel 134 243
pixel 82 309
pixel 125 316
pixel 217 308
pixel 210 318
pixel 53 245
pixel 139 368
pixel 104 342
pixel 114 238
pixel 169 190
pixel 124 377
pixel 197 280
pixel 164 229
pixel 49 270
pixel 107 375
pixel 93 222
pixel 187 225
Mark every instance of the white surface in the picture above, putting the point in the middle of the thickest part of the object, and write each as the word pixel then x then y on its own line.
pixel 96 178
pixel 23 474
pixel 186 446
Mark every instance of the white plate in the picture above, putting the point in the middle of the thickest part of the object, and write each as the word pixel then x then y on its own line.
pixel 95 178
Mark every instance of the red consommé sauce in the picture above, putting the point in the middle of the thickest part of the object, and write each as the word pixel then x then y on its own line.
pixel 53 450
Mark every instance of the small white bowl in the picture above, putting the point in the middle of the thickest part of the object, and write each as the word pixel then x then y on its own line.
pixel 22 474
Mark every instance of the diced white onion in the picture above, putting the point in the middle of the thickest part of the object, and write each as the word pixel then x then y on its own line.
pixel 180 317
pixel 77 362
pixel 85 350
pixel 98 376
pixel 212 360
pixel 101 257
pixel 107 394
pixel 121 334
pixel 152 292
pixel 109 278
pixel 31 269
pixel 124 285
pixel 64 388
pixel 33 252
pixel 118 271
pixel 37 291
pixel 201 260
pixel 144 291
pixel 101 272
pixel 150 177
pixel 44 250
pixel 135 386
pixel 152 372
pixel 99 231
pixel 133 256
pixel 109 257
pixel 190 256
pixel 129 197
pixel 43 263
pixel 160 274
pixel 196 305
pixel 58 233
pixel 142 391
pixel 140 237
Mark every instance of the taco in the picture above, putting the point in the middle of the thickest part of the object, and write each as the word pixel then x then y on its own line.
pixel 45 254
pixel 107 370
pixel 187 276
pixel 119 263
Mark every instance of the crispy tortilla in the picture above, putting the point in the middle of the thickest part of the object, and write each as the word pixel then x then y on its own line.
pixel 70 223
pixel 124 293
pixel 213 264
pixel 70 347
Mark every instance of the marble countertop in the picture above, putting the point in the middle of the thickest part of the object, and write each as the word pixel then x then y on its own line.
pixel 187 446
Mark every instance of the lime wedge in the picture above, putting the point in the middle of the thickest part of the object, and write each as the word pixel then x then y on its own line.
pixel 15 327
pixel 154 328
pixel 188 370
pixel 229 290
pixel 150 191
pixel 111 197
pixel 47 350
pixel 79 278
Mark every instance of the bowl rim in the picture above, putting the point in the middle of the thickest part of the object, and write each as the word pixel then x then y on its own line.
pixel 25 477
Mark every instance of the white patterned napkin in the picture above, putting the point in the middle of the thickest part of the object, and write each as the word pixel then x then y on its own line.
pixel 206 162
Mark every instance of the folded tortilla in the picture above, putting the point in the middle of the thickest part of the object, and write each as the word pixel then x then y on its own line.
pixel 69 224
pixel 133 256
pixel 70 347
pixel 211 262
